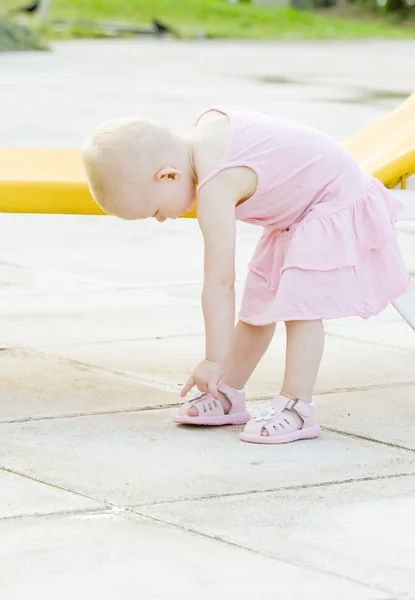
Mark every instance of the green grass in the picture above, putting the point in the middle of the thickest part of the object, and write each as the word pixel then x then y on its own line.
pixel 14 36
pixel 219 18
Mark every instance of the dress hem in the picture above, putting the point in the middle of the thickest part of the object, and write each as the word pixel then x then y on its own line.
pixel 325 317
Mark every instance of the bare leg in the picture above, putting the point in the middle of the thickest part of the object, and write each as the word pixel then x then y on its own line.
pixel 249 344
pixel 305 345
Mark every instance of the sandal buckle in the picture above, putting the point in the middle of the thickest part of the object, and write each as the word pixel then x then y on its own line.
pixel 292 403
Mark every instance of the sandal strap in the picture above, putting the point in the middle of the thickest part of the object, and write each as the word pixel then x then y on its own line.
pixel 270 411
pixel 208 404
pixel 197 399
pixel 301 407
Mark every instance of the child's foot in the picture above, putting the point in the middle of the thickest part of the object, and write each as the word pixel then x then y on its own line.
pixel 226 405
pixel 283 420
pixel 230 409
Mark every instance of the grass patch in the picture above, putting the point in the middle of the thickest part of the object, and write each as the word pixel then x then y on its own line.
pixel 14 36
pixel 221 19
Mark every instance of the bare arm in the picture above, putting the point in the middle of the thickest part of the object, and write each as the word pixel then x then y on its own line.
pixel 216 215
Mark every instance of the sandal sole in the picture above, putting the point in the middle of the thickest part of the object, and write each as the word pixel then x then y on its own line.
pixel 302 434
pixel 239 419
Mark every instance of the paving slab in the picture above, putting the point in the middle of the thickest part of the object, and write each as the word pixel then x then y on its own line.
pixel 143 457
pixel 140 322
pixel 35 386
pixel 112 253
pixel 178 78
pixel 393 335
pixel 17 281
pixel 387 415
pixel 109 251
pixel 111 555
pixel 20 496
pixel 364 531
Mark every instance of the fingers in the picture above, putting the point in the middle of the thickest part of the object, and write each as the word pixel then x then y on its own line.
pixel 187 387
pixel 202 386
pixel 212 386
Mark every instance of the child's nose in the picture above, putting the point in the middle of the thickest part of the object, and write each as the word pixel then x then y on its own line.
pixel 161 219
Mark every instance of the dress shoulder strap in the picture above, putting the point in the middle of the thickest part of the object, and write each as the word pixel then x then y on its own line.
pixel 222 164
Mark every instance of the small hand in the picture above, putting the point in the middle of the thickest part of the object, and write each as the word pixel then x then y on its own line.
pixel 205 377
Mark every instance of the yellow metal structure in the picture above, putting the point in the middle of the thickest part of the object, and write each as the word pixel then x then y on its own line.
pixel 44 181
pixel 386 147
pixel 53 181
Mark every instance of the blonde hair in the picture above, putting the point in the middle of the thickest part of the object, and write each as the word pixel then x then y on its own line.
pixel 121 150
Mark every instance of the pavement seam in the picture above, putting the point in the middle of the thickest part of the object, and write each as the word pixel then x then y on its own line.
pixel 89 414
pixel 294 563
pixel 287 488
pixel 56 513
pixel 128 340
pixel 369 342
pixel 369 439
pixel 56 486
pixel 92 285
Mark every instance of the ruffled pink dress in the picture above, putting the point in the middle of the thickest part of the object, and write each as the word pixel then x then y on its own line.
pixel 329 247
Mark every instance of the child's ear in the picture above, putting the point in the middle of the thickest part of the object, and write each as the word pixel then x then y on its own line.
pixel 168 173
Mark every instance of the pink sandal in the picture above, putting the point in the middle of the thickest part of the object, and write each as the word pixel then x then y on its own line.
pixel 211 411
pixel 281 426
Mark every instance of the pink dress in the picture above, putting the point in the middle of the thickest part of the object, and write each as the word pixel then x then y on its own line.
pixel 329 246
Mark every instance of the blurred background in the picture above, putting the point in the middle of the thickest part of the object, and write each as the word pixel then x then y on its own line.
pixel 253 19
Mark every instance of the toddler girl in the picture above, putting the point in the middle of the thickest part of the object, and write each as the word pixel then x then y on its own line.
pixel 328 247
